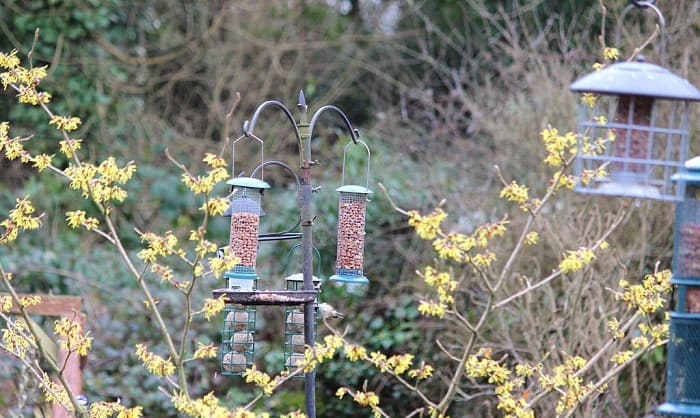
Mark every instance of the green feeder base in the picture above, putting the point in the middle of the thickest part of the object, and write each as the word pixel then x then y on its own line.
pixel 352 279
pixel 243 276
pixel 679 410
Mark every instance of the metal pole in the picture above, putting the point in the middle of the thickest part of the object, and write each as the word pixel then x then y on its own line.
pixel 307 248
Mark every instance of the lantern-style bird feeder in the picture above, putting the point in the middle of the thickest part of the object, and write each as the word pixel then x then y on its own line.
pixel 646 107
pixel 683 362
pixel 351 227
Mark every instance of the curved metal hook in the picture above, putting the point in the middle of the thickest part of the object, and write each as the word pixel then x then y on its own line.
pixel 296 178
pixel 249 126
pixel 644 4
pixel 369 156
pixel 353 132
pixel 316 252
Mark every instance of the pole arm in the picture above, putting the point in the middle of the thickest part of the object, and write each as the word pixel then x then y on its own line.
pixel 249 126
pixel 354 134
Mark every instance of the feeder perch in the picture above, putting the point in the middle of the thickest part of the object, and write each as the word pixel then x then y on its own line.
pixel 351 228
pixel 646 107
pixel 683 358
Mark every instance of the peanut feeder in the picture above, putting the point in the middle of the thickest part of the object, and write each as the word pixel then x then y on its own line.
pixel 238 332
pixel 683 361
pixel 352 207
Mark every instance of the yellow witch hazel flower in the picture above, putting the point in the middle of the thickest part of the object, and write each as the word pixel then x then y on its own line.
pixel 155 363
pixel 515 192
pixel 427 226
pixel 575 260
pixel 65 123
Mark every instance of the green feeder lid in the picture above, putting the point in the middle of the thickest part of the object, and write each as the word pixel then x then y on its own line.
pixel 690 172
pixel 249 182
pixel 350 188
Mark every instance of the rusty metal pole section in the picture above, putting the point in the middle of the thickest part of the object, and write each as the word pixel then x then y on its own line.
pixel 241 292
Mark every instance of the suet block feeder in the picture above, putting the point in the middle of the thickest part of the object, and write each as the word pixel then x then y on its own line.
pixel 237 339
pixel 683 358
pixel 294 345
pixel 646 107
pixel 351 228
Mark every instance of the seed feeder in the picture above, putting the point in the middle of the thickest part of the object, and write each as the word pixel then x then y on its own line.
pixel 294 345
pixel 351 227
pixel 238 331
pixel 683 356
pixel 645 107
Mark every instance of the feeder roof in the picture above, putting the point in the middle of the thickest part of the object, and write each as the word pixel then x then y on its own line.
pixel 249 182
pixel 299 277
pixel 353 189
pixel 690 172
pixel 637 79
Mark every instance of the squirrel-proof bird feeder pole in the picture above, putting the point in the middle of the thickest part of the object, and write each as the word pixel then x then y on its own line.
pixel 683 354
pixel 301 293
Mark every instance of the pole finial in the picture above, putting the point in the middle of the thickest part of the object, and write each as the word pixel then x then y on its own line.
pixel 302 99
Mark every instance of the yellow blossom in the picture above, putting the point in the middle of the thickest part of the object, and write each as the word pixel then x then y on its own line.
pixel 65 123
pixel 71 336
pixel 611 53
pixel 576 260
pixel 214 161
pixel 355 352
pixel 9 61
pixel 69 146
pixel 515 192
pixel 42 161
pixel 204 351
pixel 155 363
pixel 622 357
pixel 213 306
pixel 531 238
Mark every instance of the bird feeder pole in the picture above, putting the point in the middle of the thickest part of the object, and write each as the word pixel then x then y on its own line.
pixel 307 296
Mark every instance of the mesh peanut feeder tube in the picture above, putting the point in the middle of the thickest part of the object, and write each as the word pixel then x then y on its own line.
pixel 683 362
pixel 352 207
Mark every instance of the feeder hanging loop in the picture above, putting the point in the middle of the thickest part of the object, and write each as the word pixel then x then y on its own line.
pixel 643 3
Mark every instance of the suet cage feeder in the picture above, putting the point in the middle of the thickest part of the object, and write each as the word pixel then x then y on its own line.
pixel 294 345
pixel 683 356
pixel 351 227
pixel 646 107
pixel 237 339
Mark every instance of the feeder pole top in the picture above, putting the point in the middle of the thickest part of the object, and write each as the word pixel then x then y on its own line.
pixel 638 78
